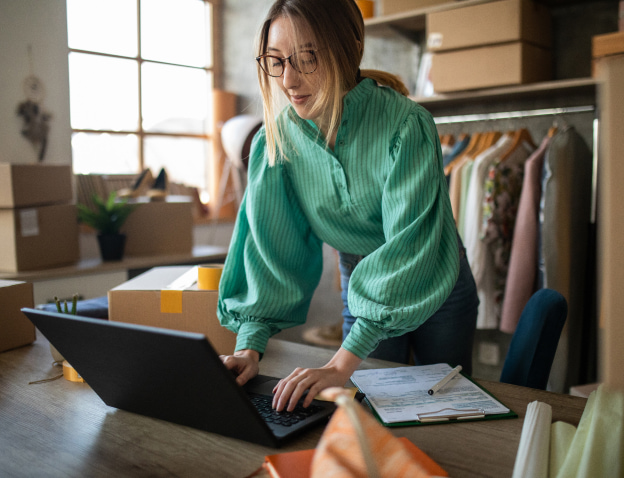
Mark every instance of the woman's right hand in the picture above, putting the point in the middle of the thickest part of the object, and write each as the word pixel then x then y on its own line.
pixel 244 363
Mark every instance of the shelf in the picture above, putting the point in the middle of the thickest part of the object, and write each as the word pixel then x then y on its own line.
pixel 411 21
pixel 200 254
pixel 581 87
pixel 415 20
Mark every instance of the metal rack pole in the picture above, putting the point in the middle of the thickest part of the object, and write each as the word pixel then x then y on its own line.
pixel 512 114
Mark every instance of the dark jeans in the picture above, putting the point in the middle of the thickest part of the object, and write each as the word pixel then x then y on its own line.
pixel 447 336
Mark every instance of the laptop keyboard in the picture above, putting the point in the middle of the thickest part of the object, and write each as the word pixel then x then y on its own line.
pixel 283 418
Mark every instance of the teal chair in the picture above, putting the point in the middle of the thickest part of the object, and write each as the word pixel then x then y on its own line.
pixel 534 343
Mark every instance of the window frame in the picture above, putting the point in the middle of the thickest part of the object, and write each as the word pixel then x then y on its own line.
pixel 140 133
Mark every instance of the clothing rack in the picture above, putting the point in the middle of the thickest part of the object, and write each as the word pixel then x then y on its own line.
pixel 539 112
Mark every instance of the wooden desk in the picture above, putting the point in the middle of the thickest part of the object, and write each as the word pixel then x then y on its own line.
pixel 61 428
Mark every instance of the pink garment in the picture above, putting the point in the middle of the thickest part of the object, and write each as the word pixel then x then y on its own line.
pixel 522 273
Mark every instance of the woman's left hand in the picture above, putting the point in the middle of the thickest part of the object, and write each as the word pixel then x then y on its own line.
pixel 335 374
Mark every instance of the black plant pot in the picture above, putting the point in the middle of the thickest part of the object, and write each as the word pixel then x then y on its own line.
pixel 112 246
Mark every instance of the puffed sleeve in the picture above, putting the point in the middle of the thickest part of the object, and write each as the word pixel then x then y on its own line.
pixel 405 281
pixel 274 262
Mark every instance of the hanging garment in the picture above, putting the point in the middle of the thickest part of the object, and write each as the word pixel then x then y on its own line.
pixel 521 276
pixel 456 149
pixel 502 190
pixel 565 221
pixel 454 152
pixel 466 172
pixel 455 186
pixel 472 227
pixel 469 150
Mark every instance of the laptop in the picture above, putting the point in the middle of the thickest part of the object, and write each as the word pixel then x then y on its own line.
pixel 174 376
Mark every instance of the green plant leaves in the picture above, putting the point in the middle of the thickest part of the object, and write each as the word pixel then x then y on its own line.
pixel 108 216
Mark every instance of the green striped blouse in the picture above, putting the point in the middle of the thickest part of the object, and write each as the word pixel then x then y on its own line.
pixel 380 193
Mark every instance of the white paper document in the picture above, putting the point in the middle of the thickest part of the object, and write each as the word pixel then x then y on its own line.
pixel 401 394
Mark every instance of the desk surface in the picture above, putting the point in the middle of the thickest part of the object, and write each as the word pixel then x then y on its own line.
pixel 61 428
pixel 200 254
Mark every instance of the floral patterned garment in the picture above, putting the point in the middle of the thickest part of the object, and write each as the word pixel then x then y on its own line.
pixel 500 207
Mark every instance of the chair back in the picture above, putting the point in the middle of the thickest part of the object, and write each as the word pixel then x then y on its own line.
pixel 534 343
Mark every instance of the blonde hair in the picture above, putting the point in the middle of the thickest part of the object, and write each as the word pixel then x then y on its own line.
pixel 338 28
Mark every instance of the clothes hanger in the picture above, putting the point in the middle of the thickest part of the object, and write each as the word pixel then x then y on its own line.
pixel 490 138
pixel 472 144
pixel 520 136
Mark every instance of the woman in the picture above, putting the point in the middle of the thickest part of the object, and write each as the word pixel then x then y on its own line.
pixel 357 165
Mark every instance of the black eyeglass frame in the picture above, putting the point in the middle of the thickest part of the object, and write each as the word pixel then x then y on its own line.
pixel 289 59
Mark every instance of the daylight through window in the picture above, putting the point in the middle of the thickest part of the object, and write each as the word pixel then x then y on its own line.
pixel 141 73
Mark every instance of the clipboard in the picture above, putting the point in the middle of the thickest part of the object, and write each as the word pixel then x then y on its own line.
pixel 398 397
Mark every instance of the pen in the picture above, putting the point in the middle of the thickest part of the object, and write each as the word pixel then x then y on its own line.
pixel 445 380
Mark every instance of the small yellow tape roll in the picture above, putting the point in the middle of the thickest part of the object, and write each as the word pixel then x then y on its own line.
pixel 208 276
pixel 70 373
pixel 367 7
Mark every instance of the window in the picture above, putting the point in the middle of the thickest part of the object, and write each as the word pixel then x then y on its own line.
pixel 141 75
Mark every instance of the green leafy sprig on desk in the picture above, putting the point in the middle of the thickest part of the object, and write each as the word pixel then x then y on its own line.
pixel 108 216
pixel 65 310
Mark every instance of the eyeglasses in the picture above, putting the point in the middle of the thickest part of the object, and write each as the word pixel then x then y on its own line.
pixel 303 61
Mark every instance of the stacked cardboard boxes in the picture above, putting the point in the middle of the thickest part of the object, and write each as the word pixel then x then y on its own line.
pixel 501 43
pixel 38 224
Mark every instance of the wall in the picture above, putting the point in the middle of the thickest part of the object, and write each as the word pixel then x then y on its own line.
pixel 42 24
pixel 242 20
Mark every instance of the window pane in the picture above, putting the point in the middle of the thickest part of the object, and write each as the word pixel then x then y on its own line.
pixel 103 92
pixel 105 26
pixel 184 159
pixel 175 99
pixel 174 31
pixel 105 153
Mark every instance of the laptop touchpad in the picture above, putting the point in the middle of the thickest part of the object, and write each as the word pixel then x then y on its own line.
pixel 261 384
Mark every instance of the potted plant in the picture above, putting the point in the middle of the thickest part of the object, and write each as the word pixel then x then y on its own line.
pixel 107 218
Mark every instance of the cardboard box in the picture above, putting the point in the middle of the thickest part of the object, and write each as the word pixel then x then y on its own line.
pixel 145 300
pixel 38 237
pixel 487 67
pixel 391 7
pixel 606 45
pixel 160 227
pixel 489 23
pixel 609 44
pixel 17 330
pixel 24 185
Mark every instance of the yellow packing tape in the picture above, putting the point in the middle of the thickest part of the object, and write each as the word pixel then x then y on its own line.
pixel 70 373
pixel 171 301
pixel 208 276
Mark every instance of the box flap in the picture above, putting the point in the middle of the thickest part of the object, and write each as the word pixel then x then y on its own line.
pixel 157 278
